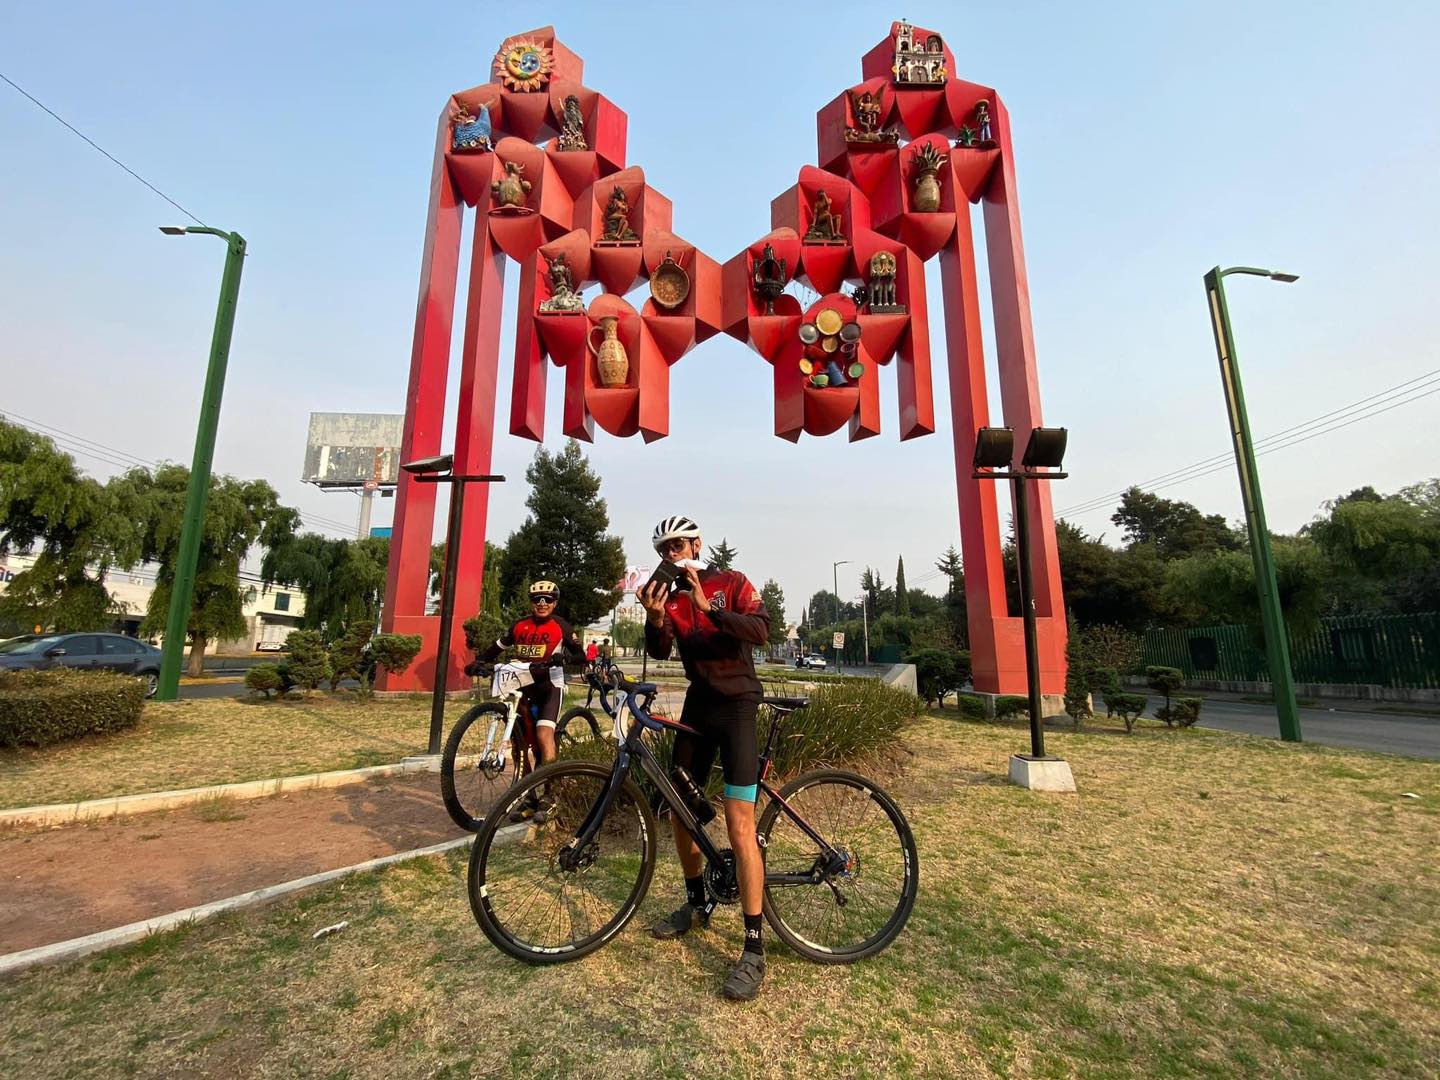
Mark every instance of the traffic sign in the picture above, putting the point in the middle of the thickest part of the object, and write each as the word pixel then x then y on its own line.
pixel 838 641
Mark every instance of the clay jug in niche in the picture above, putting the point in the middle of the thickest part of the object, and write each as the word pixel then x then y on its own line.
pixel 610 357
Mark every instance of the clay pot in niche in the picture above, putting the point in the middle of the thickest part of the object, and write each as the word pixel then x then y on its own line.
pixel 610 357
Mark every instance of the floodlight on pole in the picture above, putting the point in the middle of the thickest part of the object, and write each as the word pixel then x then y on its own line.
pixel 438 469
pixel 995 450
pixel 1272 618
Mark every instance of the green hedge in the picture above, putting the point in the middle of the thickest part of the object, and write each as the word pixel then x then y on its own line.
pixel 38 708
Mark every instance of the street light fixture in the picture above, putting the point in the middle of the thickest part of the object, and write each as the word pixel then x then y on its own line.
pixel 1277 642
pixel 439 470
pixel 994 449
pixel 835 585
pixel 183 588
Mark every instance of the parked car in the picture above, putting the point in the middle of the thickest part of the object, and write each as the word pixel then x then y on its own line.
pixel 112 652
pixel 814 660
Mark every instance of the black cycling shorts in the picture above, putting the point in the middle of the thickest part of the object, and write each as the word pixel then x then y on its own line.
pixel 726 725
pixel 546 695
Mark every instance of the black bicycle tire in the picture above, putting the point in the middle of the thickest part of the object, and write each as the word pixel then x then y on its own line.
pixel 448 795
pixel 476 882
pixel 562 726
pixel 903 909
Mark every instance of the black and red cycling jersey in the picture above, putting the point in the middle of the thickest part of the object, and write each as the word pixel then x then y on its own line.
pixel 715 645
pixel 546 639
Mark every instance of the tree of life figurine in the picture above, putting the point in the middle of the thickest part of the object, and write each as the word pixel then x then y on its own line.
pixel 470 133
pixel 564 299
pixel 510 191
pixel 825 226
pixel 769 278
pixel 866 108
pixel 617 221
pixel 982 124
pixel 882 285
pixel 572 131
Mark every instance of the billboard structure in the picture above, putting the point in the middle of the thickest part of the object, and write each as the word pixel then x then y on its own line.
pixel 354 452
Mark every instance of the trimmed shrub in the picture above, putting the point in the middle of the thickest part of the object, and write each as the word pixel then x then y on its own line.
pixel 347 654
pixel 38 708
pixel 264 678
pixel 1012 707
pixel 394 652
pixel 938 672
pixel 1164 680
pixel 309 663
pixel 1128 706
pixel 1185 711
pixel 971 708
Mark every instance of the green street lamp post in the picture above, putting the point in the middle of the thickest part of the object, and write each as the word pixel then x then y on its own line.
pixel 183 587
pixel 1277 643
pixel 835 584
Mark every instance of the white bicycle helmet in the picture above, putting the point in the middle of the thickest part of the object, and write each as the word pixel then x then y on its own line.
pixel 673 528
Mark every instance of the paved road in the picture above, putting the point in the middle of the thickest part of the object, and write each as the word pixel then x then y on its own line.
pixel 1386 733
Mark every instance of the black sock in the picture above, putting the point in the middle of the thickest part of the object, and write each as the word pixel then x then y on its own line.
pixel 695 891
pixel 753 941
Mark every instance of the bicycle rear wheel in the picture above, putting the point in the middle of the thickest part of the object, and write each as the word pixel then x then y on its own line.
pixel 474 770
pixel 534 898
pixel 859 908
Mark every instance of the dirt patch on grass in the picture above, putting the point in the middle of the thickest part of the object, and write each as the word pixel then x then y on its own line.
pixel 80 879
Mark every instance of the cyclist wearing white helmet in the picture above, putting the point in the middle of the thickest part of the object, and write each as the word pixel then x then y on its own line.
pixel 715 617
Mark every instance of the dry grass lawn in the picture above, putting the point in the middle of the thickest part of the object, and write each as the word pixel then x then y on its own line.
pixel 184 744
pixel 1208 905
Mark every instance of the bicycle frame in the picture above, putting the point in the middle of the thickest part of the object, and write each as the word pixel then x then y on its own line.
pixel 633 752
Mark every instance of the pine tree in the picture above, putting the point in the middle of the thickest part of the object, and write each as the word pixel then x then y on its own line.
pixel 564 538
pixel 1077 681
pixel 722 556
pixel 950 565
pixel 902 596
pixel 873 586
pixel 774 601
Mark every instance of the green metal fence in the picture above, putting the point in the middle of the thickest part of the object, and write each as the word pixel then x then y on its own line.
pixel 1385 650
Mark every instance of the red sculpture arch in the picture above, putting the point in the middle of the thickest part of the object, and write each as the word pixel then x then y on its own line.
pixel 902 157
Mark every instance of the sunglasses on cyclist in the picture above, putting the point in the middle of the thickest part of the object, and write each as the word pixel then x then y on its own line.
pixel 542 599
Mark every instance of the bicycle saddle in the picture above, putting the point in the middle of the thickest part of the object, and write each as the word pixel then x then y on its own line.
pixel 785 704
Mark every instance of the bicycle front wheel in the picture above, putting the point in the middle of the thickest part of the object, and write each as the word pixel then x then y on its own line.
pixel 537 897
pixel 865 894
pixel 577 725
pixel 475 768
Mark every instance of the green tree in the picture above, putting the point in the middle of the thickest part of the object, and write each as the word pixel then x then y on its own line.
pixel 902 593
pixel 564 538
pixel 76 528
pixel 1220 587
pixel 1077 675
pixel 877 597
pixel 238 515
pixel 722 556
pixel 1384 551
pixel 774 601
pixel 1106 585
pixel 343 581
pixel 937 673
pixel 951 566
pixel 1174 528
pixel 630 634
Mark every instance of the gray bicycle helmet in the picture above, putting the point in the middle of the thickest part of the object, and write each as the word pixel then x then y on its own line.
pixel 673 528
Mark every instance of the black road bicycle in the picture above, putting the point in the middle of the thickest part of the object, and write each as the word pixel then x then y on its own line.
pixel 485 752
pixel 841 870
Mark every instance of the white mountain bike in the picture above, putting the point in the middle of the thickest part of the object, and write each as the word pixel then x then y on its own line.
pixel 486 753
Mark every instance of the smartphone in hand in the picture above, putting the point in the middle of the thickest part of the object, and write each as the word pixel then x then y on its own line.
pixel 668 574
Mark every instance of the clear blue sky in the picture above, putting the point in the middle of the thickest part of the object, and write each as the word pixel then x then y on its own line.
pixel 1153 141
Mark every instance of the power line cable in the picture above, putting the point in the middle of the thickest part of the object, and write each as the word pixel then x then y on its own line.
pixel 1363 409
pixel 70 436
pixel 101 149
pixel 1225 465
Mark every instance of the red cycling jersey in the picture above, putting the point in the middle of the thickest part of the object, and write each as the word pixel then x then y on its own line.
pixel 537 639
pixel 715 645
